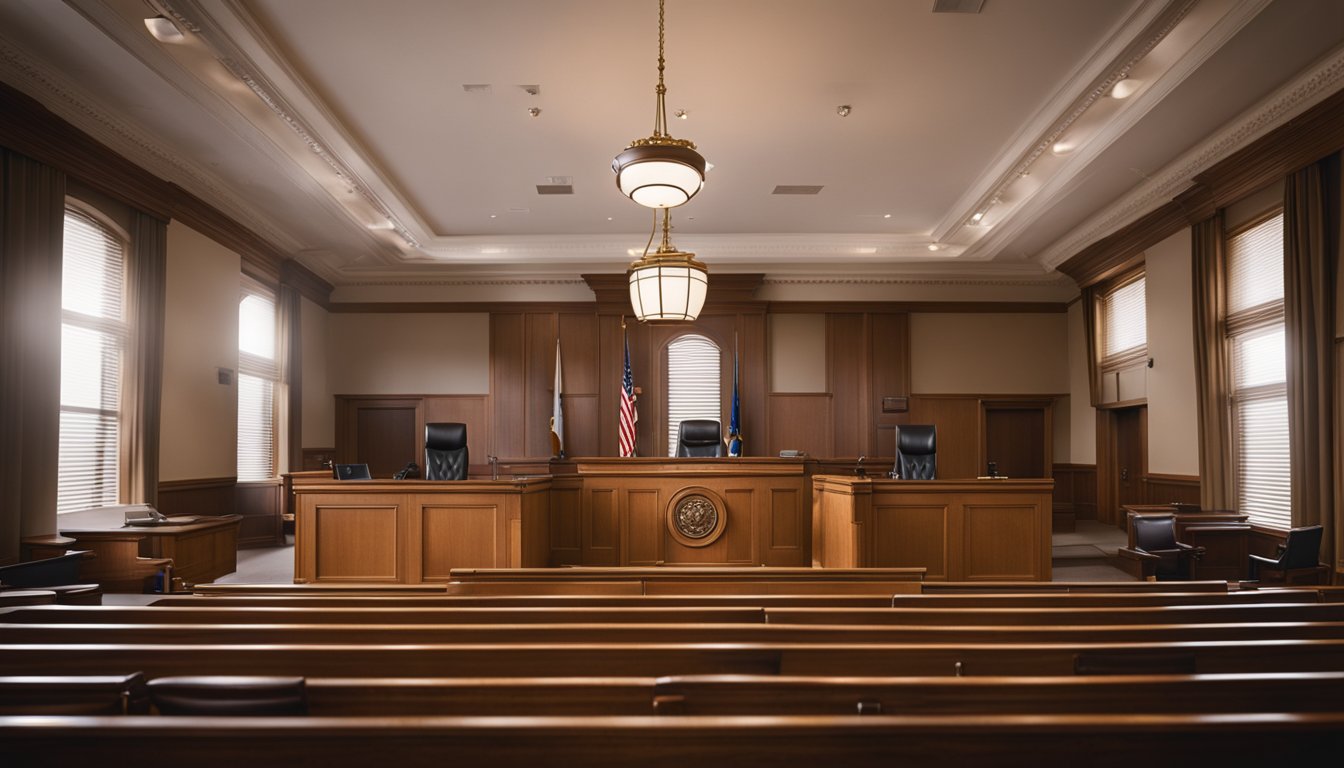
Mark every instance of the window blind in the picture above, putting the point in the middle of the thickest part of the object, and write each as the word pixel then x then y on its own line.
pixel 93 335
pixel 1124 319
pixel 1259 373
pixel 257 376
pixel 692 384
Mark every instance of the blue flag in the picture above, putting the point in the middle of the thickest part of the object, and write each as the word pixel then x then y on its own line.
pixel 735 418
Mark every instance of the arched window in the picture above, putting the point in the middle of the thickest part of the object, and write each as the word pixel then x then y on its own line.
pixel 93 340
pixel 692 383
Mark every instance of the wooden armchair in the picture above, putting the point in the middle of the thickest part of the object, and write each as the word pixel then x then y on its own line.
pixel 1154 554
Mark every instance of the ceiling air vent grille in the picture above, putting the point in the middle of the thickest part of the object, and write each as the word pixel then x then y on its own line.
pixel 958 6
pixel 797 189
pixel 555 189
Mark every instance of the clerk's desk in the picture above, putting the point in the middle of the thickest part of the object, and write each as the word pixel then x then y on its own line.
pixel 958 530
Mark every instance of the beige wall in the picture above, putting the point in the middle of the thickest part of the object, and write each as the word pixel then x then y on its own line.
pixel 1004 354
pixel 319 410
pixel 1173 433
pixel 402 354
pixel 1082 416
pixel 200 423
pixel 798 353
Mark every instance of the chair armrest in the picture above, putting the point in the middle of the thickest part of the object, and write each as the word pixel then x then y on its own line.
pixel 1195 552
pixel 1136 554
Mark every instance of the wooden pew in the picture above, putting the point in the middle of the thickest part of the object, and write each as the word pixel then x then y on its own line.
pixel 1099 599
pixel 211 614
pixel 661 659
pixel 585 634
pixel 74 695
pixel 602 742
pixel 992 587
pixel 322 614
pixel 738 574
pixel 535 601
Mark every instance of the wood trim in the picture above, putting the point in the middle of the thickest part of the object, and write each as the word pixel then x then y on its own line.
pixel 1163 489
pixel 1301 141
pixel 726 292
pixel 461 307
pixel 197 484
pixel 927 307
pixel 307 283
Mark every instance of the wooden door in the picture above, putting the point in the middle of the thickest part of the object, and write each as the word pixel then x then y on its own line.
pixel 1122 458
pixel 384 433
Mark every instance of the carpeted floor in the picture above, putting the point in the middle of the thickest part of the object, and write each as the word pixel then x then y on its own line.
pixel 1088 553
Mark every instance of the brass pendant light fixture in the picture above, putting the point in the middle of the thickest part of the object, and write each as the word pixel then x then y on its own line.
pixel 661 172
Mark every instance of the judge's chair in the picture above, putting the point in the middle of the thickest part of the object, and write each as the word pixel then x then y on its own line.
pixel 699 438
pixel 916 452
pixel 1153 553
pixel 1297 562
pixel 446 451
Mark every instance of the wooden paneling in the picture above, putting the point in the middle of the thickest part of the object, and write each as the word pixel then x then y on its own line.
pixel 800 421
pixel 957 418
pixel 203 496
pixel 987 530
pixel 1171 489
pixel 416 531
pixel 889 377
pixel 1018 437
pixel 379 431
pixel 472 410
pixel 260 505
pixel 1076 490
pixel 508 382
pixel 847 380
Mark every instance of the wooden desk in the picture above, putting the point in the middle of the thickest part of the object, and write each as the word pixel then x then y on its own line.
pixel 200 550
pixel 414 531
pixel 959 530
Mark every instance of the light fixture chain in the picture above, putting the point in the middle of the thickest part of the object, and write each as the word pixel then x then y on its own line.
pixel 660 108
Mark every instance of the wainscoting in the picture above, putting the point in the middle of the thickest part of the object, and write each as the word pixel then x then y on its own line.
pixel 258 503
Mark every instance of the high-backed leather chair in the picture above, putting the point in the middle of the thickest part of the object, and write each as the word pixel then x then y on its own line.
pixel 1155 550
pixel 446 451
pixel 1298 561
pixel 228 695
pixel 916 452
pixel 700 438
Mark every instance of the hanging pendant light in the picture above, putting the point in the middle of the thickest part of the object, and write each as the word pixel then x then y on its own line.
pixel 667 285
pixel 660 171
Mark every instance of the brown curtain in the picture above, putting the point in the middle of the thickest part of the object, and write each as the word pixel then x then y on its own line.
pixel 290 398
pixel 32 223
pixel 142 383
pixel 1089 307
pixel 1311 251
pixel 1212 376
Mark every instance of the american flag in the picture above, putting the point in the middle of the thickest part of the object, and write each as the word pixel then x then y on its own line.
pixel 629 416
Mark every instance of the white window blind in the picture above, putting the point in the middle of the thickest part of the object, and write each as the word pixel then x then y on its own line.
pixel 257 376
pixel 93 335
pixel 1259 373
pixel 1124 319
pixel 692 384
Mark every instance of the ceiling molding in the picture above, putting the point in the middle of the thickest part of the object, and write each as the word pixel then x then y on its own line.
pixel 1303 92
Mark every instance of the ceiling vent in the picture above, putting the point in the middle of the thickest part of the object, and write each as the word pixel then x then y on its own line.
pixel 476 88
pixel 958 6
pixel 555 189
pixel 796 189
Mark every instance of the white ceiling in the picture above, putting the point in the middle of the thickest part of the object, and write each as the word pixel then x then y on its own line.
pixel 340 129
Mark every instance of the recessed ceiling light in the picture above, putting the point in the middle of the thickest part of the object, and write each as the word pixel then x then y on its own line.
pixel 534 111
pixel 164 30
pixel 935 247
pixel 843 110
pixel 1125 88
pixel 682 114
pixel 1062 147
pixel 978 215
pixel 608 218
pixel 492 215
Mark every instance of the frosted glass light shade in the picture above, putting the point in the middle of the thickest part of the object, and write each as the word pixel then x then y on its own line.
pixel 668 289
pixel 659 175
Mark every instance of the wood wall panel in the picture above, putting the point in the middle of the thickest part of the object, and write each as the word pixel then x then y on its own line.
pixel 261 505
pixel 565 538
pixel 847 381
pixel 800 421
pixel 204 496
pixel 1168 489
pixel 600 527
pixel 472 410
pixel 912 536
pixel 507 386
pixel 458 535
pixel 889 378
pixel 357 541
pixel 1017 440
pixel 958 421
pixel 538 383
pixel 643 527
pixel 1002 542
pixel 1076 490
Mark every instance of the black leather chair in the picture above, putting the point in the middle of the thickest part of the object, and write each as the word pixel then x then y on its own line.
pixel 916 452
pixel 1298 561
pixel 446 451
pixel 228 696
pixel 1154 550
pixel 699 438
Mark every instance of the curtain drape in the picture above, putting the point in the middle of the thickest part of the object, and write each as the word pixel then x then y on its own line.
pixel 1212 376
pixel 32 221
pixel 1089 306
pixel 290 397
pixel 142 383
pixel 1311 210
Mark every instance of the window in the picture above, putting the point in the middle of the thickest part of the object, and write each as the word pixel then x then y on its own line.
pixel 692 384
pixel 258 373
pixel 93 337
pixel 1124 324
pixel 1255 333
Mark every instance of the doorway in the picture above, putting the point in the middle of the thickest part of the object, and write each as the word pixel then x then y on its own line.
pixel 1122 461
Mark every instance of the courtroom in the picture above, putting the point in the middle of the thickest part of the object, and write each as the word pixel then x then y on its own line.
pixel 671 382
